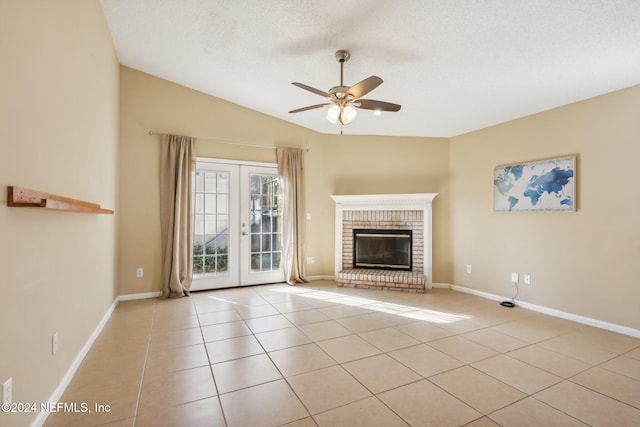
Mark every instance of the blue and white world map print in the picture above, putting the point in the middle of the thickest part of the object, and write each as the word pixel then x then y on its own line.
pixel 547 185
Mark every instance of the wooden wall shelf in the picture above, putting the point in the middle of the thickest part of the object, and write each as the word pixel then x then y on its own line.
pixel 19 197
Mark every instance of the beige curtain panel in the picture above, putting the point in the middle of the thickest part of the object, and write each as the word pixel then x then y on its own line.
pixel 291 171
pixel 177 164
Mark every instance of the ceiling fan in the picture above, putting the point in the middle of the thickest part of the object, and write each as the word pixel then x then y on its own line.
pixel 344 99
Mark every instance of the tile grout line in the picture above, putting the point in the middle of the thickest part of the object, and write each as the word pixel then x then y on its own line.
pixel 213 377
pixel 280 372
pixel 599 392
pixel 144 367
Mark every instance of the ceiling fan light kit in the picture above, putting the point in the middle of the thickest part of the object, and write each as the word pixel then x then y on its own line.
pixel 333 113
pixel 344 114
pixel 344 100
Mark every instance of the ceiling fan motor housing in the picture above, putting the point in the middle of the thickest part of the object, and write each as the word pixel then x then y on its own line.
pixel 343 55
pixel 339 92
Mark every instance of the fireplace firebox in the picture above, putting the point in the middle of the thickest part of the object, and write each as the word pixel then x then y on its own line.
pixel 382 249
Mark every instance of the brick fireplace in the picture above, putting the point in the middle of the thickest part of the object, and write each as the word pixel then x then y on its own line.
pixel 384 212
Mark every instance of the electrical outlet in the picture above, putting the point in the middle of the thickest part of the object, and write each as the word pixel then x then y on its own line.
pixel 515 278
pixel 311 260
pixel 7 391
pixel 308 216
pixel 139 272
pixel 469 268
pixel 54 343
pixel 527 279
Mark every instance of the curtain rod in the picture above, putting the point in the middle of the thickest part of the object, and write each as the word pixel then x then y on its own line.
pixel 220 141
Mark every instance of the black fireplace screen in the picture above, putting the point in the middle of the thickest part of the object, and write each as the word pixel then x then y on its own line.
pixel 385 249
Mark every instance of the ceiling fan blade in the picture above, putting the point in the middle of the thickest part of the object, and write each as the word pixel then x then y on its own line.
pixel 311 89
pixel 311 107
pixel 370 104
pixel 364 87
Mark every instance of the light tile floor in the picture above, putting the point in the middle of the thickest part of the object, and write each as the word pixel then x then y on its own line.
pixel 319 355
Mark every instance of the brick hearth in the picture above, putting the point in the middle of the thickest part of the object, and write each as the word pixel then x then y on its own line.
pixel 381 279
pixel 387 212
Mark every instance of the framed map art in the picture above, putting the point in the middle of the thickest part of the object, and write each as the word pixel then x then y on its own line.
pixel 546 185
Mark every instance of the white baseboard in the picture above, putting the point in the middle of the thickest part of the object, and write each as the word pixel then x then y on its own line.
pixel 316 278
pixel 145 295
pixel 66 379
pixel 441 285
pixel 625 330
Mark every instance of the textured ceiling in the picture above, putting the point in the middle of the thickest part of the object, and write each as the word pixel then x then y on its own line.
pixel 454 66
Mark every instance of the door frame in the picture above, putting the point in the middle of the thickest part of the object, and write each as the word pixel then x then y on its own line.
pixel 236 275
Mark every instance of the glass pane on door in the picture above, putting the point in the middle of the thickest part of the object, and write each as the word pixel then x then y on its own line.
pixel 266 223
pixel 211 223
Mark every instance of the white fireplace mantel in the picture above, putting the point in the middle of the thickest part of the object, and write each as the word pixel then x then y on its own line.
pixel 386 202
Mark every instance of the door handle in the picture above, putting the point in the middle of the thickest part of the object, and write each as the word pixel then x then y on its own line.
pixel 244 233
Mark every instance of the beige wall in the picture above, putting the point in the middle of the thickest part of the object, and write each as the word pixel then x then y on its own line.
pixel 58 133
pixel 334 165
pixel 585 263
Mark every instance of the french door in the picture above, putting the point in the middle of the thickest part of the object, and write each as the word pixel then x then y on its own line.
pixel 237 225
